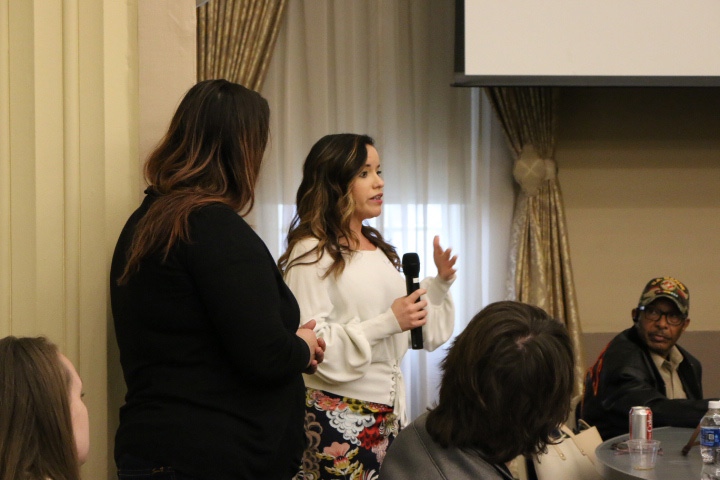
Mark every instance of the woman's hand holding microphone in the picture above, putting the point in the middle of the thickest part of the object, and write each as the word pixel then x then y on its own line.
pixel 408 312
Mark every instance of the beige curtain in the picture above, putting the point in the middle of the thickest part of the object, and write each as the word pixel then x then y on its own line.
pixel 235 39
pixel 541 272
pixel 68 181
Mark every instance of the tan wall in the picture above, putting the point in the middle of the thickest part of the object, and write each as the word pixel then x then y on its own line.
pixel 640 173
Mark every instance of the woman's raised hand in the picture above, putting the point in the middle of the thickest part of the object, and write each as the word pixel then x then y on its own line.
pixel 443 261
pixel 408 313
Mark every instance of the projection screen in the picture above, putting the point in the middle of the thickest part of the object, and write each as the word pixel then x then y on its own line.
pixel 588 42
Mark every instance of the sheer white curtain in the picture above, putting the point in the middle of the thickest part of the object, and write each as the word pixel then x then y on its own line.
pixel 385 69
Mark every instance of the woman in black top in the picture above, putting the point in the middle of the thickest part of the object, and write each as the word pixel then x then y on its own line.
pixel 208 332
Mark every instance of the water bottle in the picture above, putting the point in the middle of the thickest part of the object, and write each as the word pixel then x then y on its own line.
pixel 710 434
pixel 710 472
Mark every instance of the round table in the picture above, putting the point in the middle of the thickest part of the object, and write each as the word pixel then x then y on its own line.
pixel 671 465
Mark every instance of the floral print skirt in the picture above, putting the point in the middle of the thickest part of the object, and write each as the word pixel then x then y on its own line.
pixel 347 438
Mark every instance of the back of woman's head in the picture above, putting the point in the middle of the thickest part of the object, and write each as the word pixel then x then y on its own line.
pixel 324 200
pixel 211 154
pixel 214 145
pixel 507 383
pixel 36 433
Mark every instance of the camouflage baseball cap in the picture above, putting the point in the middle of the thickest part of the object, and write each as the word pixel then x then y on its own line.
pixel 667 287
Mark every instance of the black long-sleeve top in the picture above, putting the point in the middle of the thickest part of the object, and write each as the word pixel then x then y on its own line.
pixel 209 353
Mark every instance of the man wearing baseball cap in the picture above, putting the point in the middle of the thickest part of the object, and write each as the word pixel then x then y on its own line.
pixel 644 366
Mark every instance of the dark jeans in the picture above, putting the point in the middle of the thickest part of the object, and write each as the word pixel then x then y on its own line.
pixel 130 468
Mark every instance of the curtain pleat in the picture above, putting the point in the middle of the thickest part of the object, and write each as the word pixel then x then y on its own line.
pixel 510 118
pixel 235 39
pixel 541 271
pixel 527 117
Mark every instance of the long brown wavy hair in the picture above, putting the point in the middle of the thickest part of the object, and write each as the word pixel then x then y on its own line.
pixel 325 205
pixel 36 432
pixel 506 385
pixel 210 154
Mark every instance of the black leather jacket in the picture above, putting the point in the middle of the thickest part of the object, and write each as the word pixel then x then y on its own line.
pixel 625 376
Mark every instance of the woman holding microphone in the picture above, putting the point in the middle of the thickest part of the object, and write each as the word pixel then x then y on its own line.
pixel 346 278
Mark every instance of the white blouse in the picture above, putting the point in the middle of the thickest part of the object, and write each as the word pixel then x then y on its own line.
pixel 364 342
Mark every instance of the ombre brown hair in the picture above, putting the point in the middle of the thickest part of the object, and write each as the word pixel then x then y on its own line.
pixel 325 204
pixel 36 432
pixel 210 154
pixel 506 385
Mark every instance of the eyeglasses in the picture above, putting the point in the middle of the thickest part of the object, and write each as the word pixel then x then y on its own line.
pixel 653 315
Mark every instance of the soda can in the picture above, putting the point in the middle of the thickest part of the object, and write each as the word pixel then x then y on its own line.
pixel 641 424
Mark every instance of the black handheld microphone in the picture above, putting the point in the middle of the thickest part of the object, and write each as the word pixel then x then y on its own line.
pixel 411 269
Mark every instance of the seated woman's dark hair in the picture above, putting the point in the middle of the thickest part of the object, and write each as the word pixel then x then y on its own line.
pixel 507 383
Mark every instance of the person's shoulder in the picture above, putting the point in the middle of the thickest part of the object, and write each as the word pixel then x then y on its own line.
pixel 623 352
pixel 688 356
pixel 216 210
pixel 217 217
pixel 417 427
pixel 218 227
pixel 307 243
pixel 624 341
pixel 451 462
pixel 407 455
pixel 303 246
pixel 416 435
pixel 411 436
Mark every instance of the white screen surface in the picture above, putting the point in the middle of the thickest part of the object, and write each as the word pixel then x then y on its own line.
pixel 592 38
